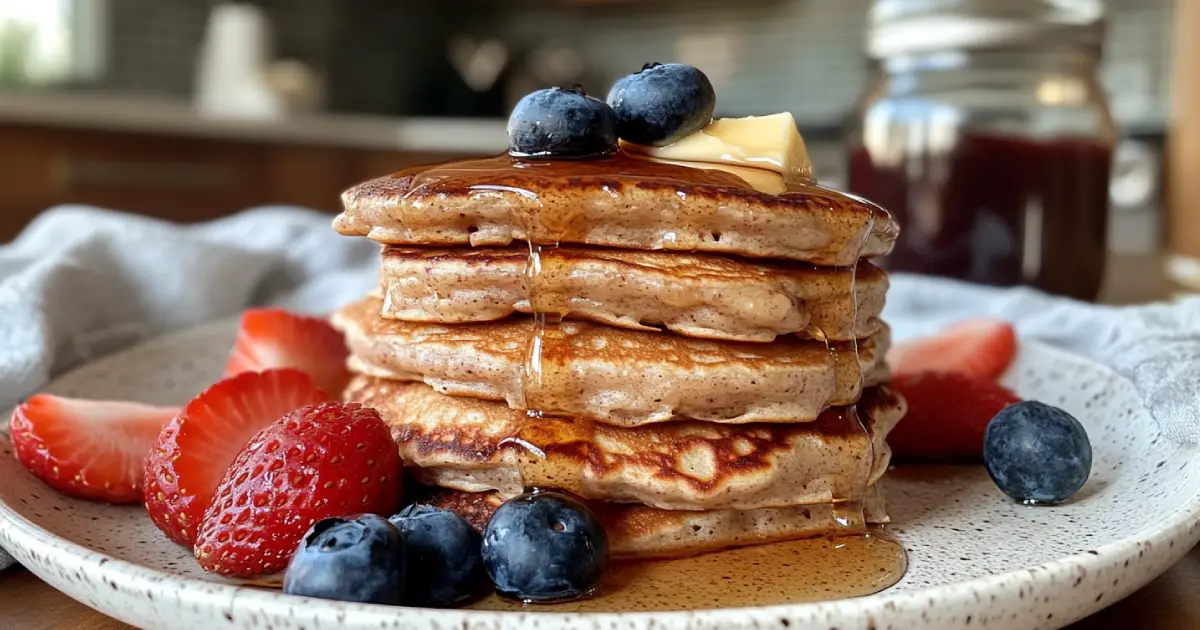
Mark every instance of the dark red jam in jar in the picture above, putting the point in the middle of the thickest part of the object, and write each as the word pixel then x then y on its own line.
pixel 985 132
pixel 998 210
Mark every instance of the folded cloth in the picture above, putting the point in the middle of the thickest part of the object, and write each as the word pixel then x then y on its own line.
pixel 83 282
pixel 80 283
pixel 1157 346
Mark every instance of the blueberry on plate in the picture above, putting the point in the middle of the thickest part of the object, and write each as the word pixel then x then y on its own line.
pixel 354 559
pixel 561 123
pixel 444 565
pixel 543 547
pixel 1036 453
pixel 662 103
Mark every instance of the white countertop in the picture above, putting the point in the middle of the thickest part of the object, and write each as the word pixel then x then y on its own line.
pixel 146 115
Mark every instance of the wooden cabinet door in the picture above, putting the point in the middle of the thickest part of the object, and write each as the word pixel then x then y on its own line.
pixel 178 179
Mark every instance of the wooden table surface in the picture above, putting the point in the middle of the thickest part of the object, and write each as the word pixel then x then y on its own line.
pixel 1167 603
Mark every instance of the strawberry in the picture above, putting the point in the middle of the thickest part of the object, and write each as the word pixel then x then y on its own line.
pixel 947 415
pixel 90 449
pixel 274 338
pixel 979 347
pixel 323 461
pixel 195 449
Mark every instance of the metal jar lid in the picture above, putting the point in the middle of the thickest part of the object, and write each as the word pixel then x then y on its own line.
pixel 905 27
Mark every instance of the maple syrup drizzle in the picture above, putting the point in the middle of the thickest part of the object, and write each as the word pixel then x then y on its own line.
pixel 849 516
pixel 532 376
pixel 866 560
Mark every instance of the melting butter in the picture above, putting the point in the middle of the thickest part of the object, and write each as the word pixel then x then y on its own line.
pixel 770 143
pixel 763 181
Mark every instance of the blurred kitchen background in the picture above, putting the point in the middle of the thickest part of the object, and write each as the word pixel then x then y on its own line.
pixel 187 110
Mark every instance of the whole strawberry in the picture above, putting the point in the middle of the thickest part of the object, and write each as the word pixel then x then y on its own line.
pixel 194 450
pixel 325 460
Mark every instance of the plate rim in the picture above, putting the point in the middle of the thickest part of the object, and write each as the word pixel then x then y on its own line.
pixel 38 549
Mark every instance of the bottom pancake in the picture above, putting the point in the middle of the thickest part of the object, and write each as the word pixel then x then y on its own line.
pixel 638 531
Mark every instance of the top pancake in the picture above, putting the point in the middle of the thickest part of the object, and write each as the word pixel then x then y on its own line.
pixel 618 201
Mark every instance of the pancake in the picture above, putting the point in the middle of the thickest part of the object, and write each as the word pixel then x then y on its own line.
pixel 696 295
pixel 610 375
pixel 617 201
pixel 639 532
pixel 478 446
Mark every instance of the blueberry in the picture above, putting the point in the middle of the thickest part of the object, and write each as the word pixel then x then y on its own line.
pixel 355 559
pixel 444 565
pixel 1036 453
pixel 662 103
pixel 543 547
pixel 562 123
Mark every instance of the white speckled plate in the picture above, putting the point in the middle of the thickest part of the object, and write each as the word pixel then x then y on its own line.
pixel 974 557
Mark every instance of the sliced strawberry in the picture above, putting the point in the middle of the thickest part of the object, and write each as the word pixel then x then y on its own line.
pixel 976 347
pixel 195 449
pixel 322 461
pixel 89 449
pixel 274 338
pixel 947 415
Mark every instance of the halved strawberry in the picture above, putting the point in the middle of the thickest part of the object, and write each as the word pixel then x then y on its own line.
pixel 195 449
pixel 979 347
pixel 91 449
pixel 274 338
pixel 947 415
pixel 322 461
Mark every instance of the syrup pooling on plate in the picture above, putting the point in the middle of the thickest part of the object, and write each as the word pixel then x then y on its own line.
pixel 793 572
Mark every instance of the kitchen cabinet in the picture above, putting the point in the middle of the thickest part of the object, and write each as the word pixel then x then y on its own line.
pixel 176 177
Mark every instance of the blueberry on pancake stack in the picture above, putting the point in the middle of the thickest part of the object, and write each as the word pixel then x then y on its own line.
pixel 657 312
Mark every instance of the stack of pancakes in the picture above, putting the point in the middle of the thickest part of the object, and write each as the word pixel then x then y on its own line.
pixel 700 361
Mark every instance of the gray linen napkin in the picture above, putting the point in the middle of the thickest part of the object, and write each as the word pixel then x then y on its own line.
pixel 83 282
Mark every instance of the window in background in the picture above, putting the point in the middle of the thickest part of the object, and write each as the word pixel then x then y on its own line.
pixel 45 42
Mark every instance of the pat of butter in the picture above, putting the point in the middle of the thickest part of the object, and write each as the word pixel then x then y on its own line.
pixel 766 142
pixel 763 181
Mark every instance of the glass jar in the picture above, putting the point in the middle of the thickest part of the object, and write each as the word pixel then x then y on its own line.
pixel 986 134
